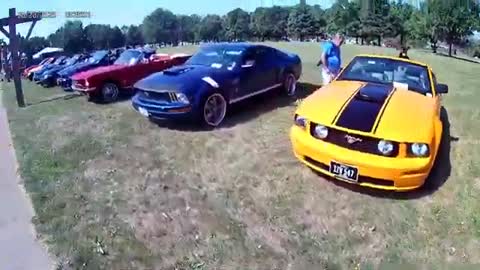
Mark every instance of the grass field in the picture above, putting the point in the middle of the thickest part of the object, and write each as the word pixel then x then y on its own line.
pixel 114 191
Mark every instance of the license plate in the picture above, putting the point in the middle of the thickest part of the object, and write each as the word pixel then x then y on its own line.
pixel 143 111
pixel 344 172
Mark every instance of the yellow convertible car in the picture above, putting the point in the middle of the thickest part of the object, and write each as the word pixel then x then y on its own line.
pixel 376 125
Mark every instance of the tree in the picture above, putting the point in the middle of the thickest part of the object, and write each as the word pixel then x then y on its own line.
pixel 134 36
pixel 211 28
pixel 71 37
pixel 320 20
pixel 187 26
pixel 237 24
pixel 457 18
pixel 116 38
pixel 400 14
pixel 340 14
pixel 301 22
pixel 160 27
pixel 98 35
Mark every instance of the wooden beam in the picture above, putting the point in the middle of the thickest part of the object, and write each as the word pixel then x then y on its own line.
pixel 14 46
pixel 4 32
pixel 30 29
pixel 17 20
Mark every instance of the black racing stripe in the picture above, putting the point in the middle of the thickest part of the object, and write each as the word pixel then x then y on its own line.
pixel 383 110
pixel 345 104
pixel 363 109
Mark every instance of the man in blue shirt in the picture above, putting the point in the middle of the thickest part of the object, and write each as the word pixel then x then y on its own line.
pixel 331 58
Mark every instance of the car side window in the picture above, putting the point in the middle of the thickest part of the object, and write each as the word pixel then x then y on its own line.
pixel 261 55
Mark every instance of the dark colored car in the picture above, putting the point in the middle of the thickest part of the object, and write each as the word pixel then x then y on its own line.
pixel 106 83
pixel 37 75
pixel 215 77
pixel 49 77
pixel 97 59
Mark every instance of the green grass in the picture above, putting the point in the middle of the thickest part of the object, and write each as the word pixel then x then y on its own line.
pixel 235 198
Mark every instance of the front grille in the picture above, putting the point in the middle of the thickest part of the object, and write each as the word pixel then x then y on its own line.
pixel 364 144
pixel 158 96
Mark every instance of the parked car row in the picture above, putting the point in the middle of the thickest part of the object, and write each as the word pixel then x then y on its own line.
pixel 378 124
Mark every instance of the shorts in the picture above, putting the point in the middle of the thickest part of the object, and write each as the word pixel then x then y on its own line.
pixel 327 77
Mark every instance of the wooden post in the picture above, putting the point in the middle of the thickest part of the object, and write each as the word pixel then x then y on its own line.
pixel 14 44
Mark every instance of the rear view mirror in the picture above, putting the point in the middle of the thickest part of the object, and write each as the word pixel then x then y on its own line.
pixel 442 88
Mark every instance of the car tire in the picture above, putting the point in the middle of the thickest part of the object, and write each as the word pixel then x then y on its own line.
pixel 290 84
pixel 213 110
pixel 109 92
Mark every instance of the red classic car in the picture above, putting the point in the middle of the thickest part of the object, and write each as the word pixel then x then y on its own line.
pixel 105 83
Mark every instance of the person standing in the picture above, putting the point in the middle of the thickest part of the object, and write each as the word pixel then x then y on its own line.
pixel 331 58
pixel 403 53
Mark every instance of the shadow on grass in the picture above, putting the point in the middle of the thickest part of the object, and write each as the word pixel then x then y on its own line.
pixel 248 109
pixel 61 97
pixel 438 176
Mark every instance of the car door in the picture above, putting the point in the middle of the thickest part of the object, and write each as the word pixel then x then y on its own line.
pixel 253 77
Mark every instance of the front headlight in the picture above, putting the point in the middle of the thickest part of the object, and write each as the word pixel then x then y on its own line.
pixel 419 149
pixel 385 147
pixel 181 97
pixel 300 121
pixel 320 132
pixel 46 76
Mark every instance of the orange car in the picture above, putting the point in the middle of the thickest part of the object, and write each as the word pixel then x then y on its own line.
pixel 376 125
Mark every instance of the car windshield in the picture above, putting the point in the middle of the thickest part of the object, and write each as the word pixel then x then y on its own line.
pixel 72 60
pixel 97 56
pixel 59 60
pixel 388 71
pixel 129 58
pixel 44 61
pixel 216 57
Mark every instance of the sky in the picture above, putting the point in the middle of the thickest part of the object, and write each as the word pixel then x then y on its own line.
pixel 126 12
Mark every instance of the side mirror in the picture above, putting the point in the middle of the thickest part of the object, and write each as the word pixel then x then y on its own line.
pixel 248 64
pixel 442 88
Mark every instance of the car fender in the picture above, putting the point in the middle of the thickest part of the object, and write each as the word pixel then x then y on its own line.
pixel 207 88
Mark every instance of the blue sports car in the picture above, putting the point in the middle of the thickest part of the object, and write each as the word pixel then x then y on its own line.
pixel 97 59
pixel 37 75
pixel 49 77
pixel 213 78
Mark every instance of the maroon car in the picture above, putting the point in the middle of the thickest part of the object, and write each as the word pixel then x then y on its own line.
pixel 107 82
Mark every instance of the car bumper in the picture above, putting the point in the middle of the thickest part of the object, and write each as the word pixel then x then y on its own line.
pixel 173 111
pixel 82 89
pixel 397 174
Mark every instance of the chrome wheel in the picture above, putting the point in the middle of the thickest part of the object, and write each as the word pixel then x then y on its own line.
pixel 110 92
pixel 290 84
pixel 214 109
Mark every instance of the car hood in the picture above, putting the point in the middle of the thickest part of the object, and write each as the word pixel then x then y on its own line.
pixel 183 78
pixel 54 69
pixel 377 110
pixel 77 68
pixel 97 71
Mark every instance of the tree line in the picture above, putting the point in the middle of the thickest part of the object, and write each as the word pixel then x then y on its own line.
pixel 369 21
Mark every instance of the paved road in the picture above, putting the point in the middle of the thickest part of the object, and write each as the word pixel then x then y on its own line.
pixel 19 249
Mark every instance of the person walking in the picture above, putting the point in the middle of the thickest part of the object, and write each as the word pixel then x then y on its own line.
pixel 331 58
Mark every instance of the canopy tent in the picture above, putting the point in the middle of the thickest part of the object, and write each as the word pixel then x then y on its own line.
pixel 46 50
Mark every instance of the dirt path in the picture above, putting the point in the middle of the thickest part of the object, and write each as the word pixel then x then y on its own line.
pixel 19 249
